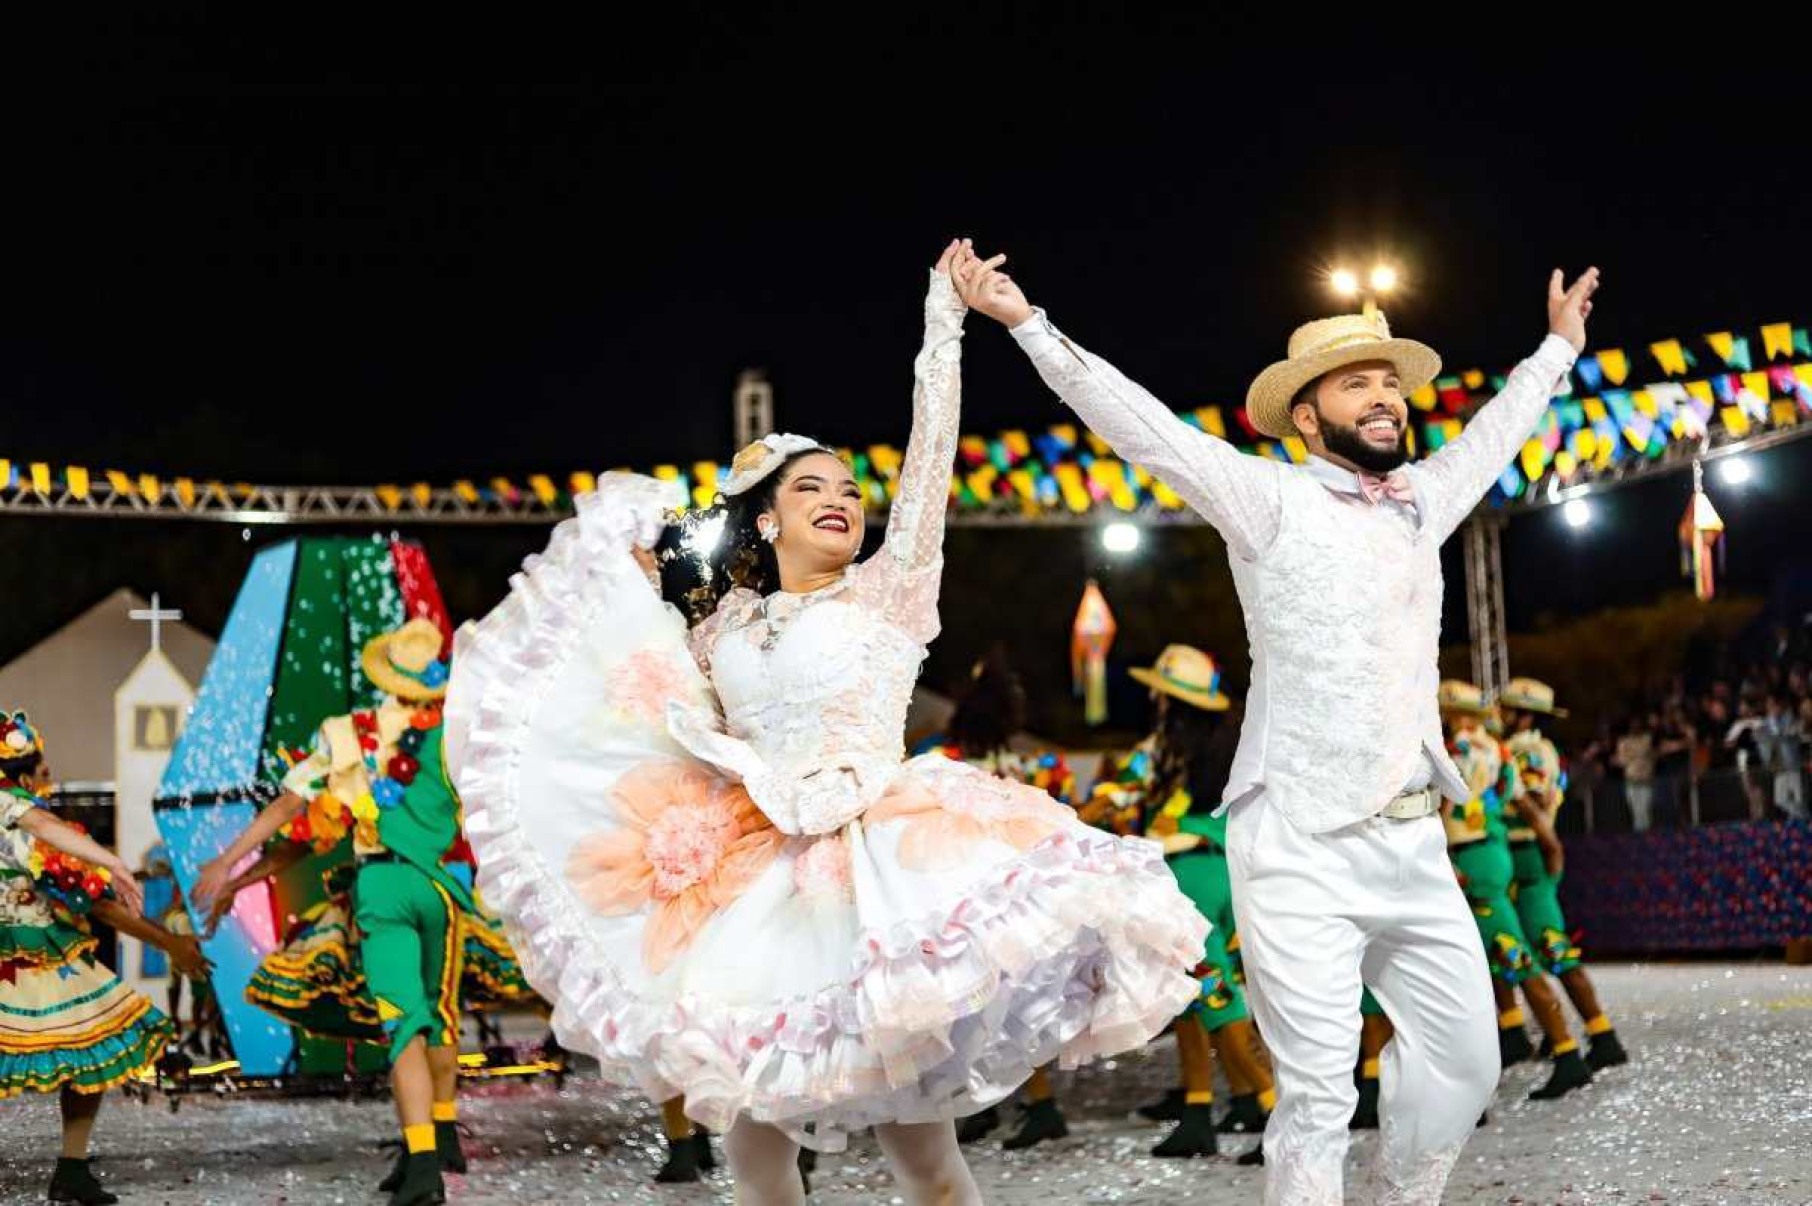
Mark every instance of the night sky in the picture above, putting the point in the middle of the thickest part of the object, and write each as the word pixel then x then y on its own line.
pixel 309 250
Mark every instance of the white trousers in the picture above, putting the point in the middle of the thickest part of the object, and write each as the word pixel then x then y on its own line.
pixel 1319 915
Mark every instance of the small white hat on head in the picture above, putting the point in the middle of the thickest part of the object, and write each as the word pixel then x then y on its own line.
pixel 754 463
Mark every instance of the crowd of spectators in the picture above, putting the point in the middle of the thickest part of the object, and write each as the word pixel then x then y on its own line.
pixel 1730 743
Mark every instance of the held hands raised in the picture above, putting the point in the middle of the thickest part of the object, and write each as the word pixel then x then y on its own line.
pixel 985 288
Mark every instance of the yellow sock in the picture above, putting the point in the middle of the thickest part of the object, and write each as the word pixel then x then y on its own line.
pixel 1205 1097
pixel 446 1111
pixel 1599 1025
pixel 1372 1069
pixel 419 1139
pixel 1565 1048
pixel 674 1123
pixel 1267 1100
pixel 1509 1018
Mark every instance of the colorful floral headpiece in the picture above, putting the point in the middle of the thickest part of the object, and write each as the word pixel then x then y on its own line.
pixel 18 737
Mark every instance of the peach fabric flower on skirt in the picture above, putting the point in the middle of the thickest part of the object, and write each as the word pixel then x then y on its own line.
pixel 690 844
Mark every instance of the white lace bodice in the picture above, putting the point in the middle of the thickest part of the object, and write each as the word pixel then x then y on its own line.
pixel 814 688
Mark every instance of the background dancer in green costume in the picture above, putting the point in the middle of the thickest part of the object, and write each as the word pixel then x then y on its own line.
pixel 67 1024
pixel 1539 858
pixel 377 780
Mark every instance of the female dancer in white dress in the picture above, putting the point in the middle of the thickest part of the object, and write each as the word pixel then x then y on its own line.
pixel 714 859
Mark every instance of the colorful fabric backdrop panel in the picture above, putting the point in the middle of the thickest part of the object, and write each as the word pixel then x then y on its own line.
pixel 1738 887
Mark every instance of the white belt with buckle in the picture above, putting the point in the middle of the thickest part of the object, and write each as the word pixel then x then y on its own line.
pixel 1413 804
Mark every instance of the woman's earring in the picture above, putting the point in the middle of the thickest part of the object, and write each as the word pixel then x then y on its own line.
pixel 770 532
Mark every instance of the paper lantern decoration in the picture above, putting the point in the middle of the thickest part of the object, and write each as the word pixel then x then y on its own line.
pixel 1701 533
pixel 1090 639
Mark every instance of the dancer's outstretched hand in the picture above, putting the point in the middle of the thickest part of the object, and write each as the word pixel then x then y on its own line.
pixel 126 887
pixel 223 904
pixel 211 882
pixel 1568 309
pixel 952 250
pixel 984 287
pixel 186 957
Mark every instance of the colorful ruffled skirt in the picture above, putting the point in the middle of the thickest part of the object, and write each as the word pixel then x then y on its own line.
pixel 65 1020
pixel 313 980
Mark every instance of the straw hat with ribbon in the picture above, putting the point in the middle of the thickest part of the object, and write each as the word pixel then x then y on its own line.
pixel 1456 695
pixel 1186 673
pixel 407 663
pixel 1320 347
pixel 1529 695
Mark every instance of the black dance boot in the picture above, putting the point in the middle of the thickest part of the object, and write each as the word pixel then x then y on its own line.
pixel 1513 1046
pixel 421 1184
pixel 74 1182
pixel 1244 1116
pixel 1043 1121
pixel 447 1147
pixel 1570 1072
pixel 1606 1051
pixel 978 1126
pixel 1193 1136
pixel 1365 1114
pixel 682 1163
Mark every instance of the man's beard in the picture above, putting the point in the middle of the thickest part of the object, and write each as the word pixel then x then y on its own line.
pixel 1348 444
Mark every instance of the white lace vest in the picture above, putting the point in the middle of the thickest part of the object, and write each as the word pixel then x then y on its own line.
pixel 1343 612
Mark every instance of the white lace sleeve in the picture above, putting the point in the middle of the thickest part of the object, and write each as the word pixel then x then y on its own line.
pixel 1237 493
pixel 902 579
pixel 1451 482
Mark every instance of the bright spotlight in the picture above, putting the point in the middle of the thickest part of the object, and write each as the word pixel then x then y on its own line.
pixel 1577 512
pixel 703 539
pixel 1384 278
pixel 1344 282
pixel 1120 537
pixel 1734 471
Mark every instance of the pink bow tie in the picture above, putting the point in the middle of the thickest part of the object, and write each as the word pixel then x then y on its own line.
pixel 1375 489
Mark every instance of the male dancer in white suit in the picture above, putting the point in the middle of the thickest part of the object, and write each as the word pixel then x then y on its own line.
pixel 1338 860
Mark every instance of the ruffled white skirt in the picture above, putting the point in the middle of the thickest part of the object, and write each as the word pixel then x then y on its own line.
pixel 915 965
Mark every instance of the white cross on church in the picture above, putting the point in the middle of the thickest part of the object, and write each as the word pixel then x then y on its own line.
pixel 156 615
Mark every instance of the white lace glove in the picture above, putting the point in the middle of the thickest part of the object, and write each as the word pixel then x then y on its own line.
pixel 822 800
pixel 631 506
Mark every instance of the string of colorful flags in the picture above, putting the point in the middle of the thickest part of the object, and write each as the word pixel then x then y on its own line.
pixel 1726 384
